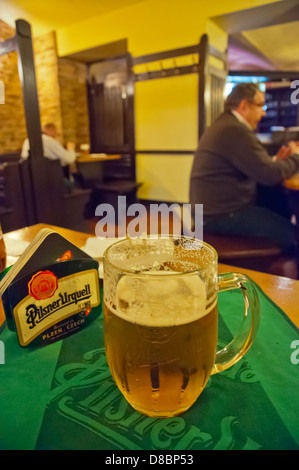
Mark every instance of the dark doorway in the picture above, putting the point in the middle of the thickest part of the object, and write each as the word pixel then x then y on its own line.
pixel 111 106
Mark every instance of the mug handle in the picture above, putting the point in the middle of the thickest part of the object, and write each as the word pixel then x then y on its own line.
pixel 236 349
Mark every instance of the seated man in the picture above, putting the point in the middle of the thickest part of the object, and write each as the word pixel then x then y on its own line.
pixel 229 164
pixel 52 148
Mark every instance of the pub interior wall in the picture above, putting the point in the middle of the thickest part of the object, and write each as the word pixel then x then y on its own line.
pixel 150 26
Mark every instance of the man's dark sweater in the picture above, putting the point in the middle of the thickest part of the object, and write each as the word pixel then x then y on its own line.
pixel 228 164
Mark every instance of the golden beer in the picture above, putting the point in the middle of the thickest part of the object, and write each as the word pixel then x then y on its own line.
pixel 161 341
pixel 161 320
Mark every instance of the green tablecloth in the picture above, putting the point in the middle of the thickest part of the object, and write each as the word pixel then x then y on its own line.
pixel 62 396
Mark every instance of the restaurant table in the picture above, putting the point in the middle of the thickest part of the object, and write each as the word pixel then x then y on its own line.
pixel 91 166
pixel 291 186
pixel 292 183
pixel 62 396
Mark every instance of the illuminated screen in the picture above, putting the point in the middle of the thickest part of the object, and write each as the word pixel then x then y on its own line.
pixel 232 81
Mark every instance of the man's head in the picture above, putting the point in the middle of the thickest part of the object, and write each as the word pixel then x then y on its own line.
pixel 249 101
pixel 50 129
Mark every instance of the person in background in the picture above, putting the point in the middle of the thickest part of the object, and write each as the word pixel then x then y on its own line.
pixel 52 148
pixel 228 165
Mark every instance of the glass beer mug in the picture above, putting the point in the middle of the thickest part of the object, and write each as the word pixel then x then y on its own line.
pixel 161 321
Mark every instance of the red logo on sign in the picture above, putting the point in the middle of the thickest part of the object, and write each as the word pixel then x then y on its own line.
pixel 43 285
pixel 67 255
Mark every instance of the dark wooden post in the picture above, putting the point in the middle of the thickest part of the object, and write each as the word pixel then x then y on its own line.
pixel 202 83
pixel 36 183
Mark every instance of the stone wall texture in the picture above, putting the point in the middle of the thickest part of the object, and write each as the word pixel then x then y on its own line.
pixel 12 115
pixel 62 94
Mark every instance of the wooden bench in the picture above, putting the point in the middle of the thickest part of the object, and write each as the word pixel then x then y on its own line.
pixel 110 190
pixel 17 202
pixel 119 179
pixel 241 247
pixel 255 253
pixel 69 202
pixel 12 205
pixel 9 157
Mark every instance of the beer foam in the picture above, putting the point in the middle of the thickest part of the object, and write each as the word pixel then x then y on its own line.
pixel 155 300
pixel 146 256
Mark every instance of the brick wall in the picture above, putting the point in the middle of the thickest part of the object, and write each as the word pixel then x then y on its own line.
pixel 73 100
pixel 46 69
pixel 12 116
pixel 62 96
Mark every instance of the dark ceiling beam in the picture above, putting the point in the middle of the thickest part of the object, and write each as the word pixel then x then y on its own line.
pixel 285 11
pixel 100 53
